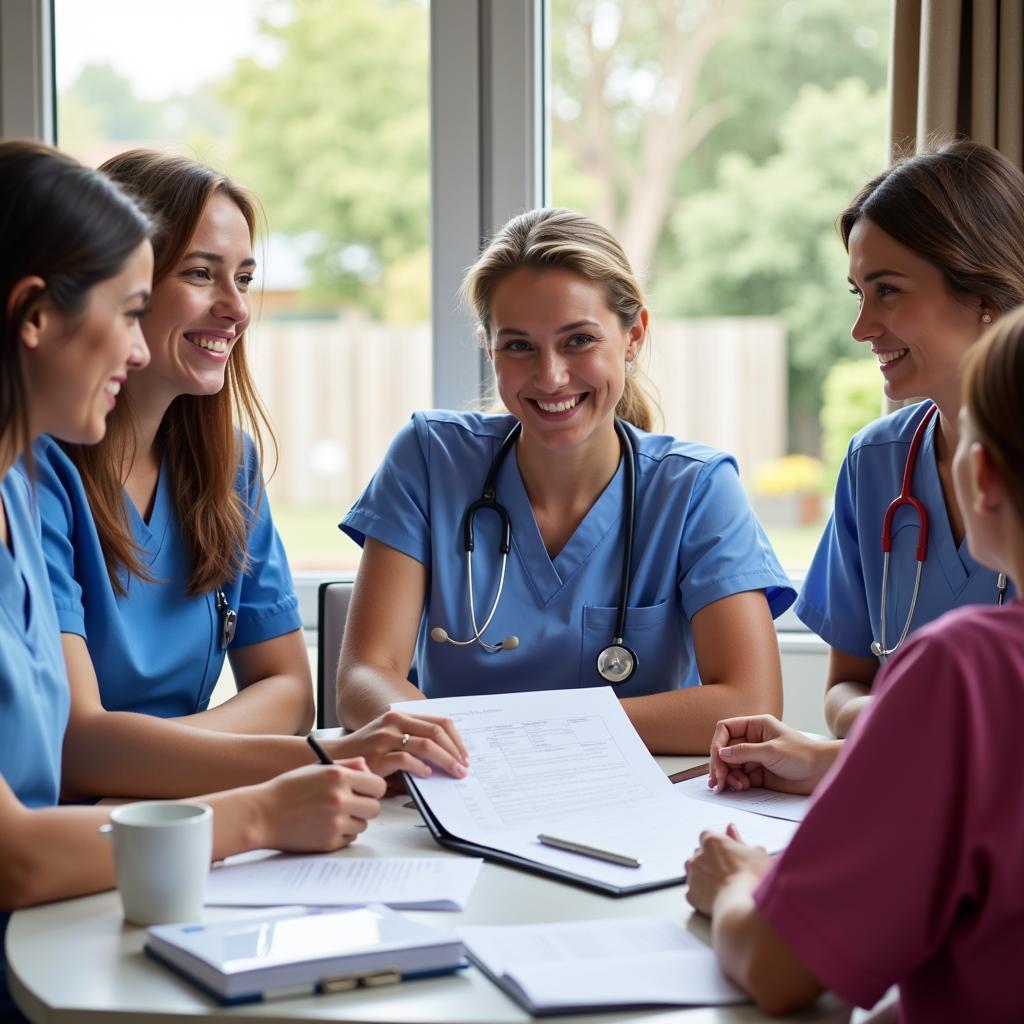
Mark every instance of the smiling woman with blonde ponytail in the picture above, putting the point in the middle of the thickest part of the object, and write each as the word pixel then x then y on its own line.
pixel 563 321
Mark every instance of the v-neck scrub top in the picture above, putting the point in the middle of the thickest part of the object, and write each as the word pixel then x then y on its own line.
pixel 841 596
pixel 34 695
pixel 157 650
pixel 696 541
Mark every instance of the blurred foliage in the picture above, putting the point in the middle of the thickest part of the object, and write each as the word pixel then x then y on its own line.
pixel 101 102
pixel 792 474
pixel 334 138
pixel 851 398
pixel 761 239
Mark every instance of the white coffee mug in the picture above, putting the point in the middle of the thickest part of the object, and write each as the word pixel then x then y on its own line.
pixel 162 851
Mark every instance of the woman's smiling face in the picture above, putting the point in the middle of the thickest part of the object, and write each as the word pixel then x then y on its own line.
pixel 202 307
pixel 559 353
pixel 917 327
pixel 77 365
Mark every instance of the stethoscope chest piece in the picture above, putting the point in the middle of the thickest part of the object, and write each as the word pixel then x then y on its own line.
pixel 616 663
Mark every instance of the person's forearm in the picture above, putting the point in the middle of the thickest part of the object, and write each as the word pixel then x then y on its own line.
pixel 683 721
pixel 116 753
pixel 280 704
pixel 52 854
pixel 752 953
pixel 239 820
pixel 844 702
pixel 366 691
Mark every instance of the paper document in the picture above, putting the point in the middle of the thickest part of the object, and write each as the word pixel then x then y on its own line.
pixel 601 964
pixel 420 883
pixel 759 801
pixel 570 763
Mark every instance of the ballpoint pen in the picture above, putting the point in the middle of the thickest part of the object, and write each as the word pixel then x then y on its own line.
pixel 570 845
pixel 318 750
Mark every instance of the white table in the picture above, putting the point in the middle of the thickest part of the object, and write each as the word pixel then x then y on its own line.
pixel 77 961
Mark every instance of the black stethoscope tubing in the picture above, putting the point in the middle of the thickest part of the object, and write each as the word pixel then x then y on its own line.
pixel 616 663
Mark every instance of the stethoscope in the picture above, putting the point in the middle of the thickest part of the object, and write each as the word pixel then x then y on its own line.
pixel 228 619
pixel 617 662
pixel 878 647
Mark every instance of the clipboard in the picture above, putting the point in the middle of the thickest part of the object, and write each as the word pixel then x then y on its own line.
pixel 444 838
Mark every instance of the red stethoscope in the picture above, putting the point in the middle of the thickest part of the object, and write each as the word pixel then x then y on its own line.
pixel 878 647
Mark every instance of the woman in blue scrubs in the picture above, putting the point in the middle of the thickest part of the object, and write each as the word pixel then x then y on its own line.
pixel 76 267
pixel 161 550
pixel 562 320
pixel 936 248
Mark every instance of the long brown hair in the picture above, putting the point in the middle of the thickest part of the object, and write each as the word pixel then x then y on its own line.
pixel 68 225
pixel 200 436
pixel 961 207
pixel 993 394
pixel 551 238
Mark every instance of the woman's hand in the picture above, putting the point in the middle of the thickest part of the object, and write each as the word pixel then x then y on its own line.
pixel 761 751
pixel 397 742
pixel 719 860
pixel 319 807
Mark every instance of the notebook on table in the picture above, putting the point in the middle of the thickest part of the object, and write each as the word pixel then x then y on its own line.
pixel 610 964
pixel 297 951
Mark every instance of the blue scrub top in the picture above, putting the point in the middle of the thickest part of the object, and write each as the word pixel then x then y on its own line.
pixel 34 695
pixel 841 596
pixel 157 650
pixel 696 540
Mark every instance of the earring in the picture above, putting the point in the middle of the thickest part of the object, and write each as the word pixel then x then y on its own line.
pixel 986 318
pixel 629 366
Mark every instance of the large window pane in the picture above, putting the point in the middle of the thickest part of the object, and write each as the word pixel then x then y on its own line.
pixel 321 108
pixel 719 139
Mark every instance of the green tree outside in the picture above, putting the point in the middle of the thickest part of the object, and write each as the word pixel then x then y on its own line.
pixel 762 238
pixel 334 138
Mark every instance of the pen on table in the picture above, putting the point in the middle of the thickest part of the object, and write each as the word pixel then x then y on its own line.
pixel 318 750
pixel 622 859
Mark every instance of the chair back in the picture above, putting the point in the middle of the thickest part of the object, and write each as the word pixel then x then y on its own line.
pixel 332 611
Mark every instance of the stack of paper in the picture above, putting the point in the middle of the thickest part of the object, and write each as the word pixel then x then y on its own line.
pixel 404 883
pixel 619 963
pixel 758 801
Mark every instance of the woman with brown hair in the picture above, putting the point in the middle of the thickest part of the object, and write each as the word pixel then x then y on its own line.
pixel 160 546
pixel 601 553
pixel 936 246
pixel 907 868
pixel 75 276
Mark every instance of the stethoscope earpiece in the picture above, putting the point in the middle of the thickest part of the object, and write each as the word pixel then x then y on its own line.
pixel 616 663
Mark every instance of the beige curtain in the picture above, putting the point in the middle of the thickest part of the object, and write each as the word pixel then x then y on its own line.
pixel 957 70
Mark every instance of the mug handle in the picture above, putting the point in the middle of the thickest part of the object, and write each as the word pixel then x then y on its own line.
pixel 105 830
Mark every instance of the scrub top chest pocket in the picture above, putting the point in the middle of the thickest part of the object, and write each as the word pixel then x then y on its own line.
pixel 653 634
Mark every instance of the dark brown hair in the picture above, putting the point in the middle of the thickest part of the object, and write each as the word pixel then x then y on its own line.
pixel 552 238
pixel 993 394
pixel 200 435
pixel 961 207
pixel 68 225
